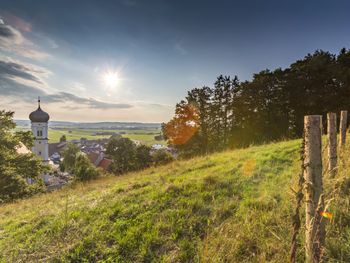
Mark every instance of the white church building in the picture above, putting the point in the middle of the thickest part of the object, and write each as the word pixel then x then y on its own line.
pixel 39 123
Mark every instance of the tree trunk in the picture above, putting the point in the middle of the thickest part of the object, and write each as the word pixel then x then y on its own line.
pixel 332 143
pixel 313 182
pixel 343 124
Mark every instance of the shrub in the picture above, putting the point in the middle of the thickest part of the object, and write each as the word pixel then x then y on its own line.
pixel 84 169
pixel 143 156
pixel 161 157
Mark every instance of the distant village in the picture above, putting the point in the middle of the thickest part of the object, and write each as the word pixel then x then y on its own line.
pixel 94 149
pixel 51 153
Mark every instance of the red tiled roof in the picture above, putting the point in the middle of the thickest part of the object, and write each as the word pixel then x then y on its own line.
pixel 105 163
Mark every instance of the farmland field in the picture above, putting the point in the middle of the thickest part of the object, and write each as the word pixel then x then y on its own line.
pixel 145 136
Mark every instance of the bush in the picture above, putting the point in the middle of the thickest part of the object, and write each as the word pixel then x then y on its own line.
pixel 63 138
pixel 84 170
pixel 161 157
pixel 159 137
pixel 143 157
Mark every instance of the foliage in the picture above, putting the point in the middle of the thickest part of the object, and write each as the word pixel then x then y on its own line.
pixel 63 138
pixel 159 137
pixel 143 156
pixel 269 107
pixel 16 168
pixel 161 157
pixel 184 125
pixel 69 157
pixel 77 163
pixel 127 156
pixel 84 170
pixel 123 153
pixel 115 136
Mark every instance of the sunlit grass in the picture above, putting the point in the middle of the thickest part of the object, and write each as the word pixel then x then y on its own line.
pixel 185 211
pixel 234 206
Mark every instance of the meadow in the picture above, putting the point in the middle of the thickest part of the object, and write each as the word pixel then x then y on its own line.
pixel 145 136
pixel 234 206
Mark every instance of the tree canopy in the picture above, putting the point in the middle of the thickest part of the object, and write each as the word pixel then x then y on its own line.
pixel 269 107
pixel 16 169
pixel 127 156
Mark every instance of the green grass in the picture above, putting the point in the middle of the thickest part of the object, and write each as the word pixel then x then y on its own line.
pixel 234 206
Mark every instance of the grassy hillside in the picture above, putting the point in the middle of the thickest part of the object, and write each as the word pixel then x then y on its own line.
pixel 228 207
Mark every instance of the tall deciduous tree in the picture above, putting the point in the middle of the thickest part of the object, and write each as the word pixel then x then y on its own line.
pixel 200 99
pixel 182 129
pixel 16 168
pixel 123 153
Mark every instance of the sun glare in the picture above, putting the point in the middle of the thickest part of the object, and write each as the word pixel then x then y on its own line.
pixel 111 79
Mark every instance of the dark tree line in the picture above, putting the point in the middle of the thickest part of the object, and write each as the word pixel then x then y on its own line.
pixel 269 107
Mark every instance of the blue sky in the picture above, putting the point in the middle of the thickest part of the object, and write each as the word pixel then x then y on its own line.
pixel 155 51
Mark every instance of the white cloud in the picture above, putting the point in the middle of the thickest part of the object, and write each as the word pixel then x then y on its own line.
pixel 12 40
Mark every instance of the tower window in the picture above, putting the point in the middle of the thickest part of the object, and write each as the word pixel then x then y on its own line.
pixel 39 133
pixel 39 153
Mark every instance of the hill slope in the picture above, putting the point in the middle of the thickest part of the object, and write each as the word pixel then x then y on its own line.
pixel 233 206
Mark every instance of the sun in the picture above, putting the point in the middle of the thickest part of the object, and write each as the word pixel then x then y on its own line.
pixel 111 79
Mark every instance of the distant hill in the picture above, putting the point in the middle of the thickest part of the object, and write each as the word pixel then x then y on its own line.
pixel 96 125
pixel 234 206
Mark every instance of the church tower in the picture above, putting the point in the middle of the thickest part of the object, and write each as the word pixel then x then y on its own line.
pixel 39 120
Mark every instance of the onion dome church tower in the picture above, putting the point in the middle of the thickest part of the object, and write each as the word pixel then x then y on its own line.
pixel 39 120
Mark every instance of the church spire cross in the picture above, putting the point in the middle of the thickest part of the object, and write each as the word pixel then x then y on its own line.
pixel 38 101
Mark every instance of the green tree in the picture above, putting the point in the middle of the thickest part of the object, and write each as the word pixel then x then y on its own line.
pixel 163 132
pixel 63 138
pixel 143 156
pixel 69 157
pixel 16 168
pixel 182 129
pixel 200 98
pixel 84 170
pixel 123 154
pixel 269 107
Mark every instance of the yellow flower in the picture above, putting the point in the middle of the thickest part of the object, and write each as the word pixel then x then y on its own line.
pixel 327 215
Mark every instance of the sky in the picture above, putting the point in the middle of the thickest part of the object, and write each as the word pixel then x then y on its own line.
pixel 133 60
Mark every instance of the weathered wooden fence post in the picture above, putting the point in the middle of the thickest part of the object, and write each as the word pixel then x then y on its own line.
pixel 332 143
pixel 342 128
pixel 313 186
